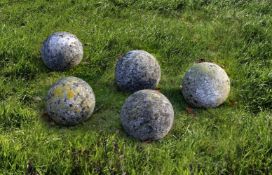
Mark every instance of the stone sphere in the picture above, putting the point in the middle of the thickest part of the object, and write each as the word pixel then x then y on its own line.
pixel 205 85
pixel 137 70
pixel 61 51
pixel 147 115
pixel 70 101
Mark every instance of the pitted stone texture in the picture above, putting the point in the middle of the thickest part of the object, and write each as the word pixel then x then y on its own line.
pixel 205 85
pixel 70 101
pixel 147 115
pixel 61 51
pixel 137 70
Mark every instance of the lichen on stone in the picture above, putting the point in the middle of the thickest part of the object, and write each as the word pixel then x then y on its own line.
pixel 70 101
pixel 61 51
pixel 137 70
pixel 205 85
pixel 147 115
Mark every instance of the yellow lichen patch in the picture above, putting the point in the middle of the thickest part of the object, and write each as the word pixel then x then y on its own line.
pixel 70 94
pixel 58 92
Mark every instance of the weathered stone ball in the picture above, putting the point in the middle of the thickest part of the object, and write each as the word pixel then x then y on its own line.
pixel 70 101
pixel 205 85
pixel 137 70
pixel 61 51
pixel 147 115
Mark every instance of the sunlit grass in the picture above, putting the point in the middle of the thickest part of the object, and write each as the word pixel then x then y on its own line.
pixel 232 139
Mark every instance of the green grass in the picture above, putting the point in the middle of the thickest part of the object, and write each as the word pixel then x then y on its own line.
pixel 235 138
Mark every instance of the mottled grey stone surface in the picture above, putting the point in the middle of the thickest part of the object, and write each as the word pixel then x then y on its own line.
pixel 61 51
pixel 70 101
pixel 147 115
pixel 205 85
pixel 137 70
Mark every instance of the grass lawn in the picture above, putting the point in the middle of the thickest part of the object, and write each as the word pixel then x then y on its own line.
pixel 235 138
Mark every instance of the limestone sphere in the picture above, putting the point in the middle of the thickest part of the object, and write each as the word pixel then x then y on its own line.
pixel 70 101
pixel 147 115
pixel 205 85
pixel 61 51
pixel 137 70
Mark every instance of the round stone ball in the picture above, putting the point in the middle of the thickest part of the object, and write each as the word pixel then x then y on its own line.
pixel 61 51
pixel 147 115
pixel 137 70
pixel 70 101
pixel 205 85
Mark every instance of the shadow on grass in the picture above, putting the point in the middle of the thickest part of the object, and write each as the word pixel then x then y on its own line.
pixel 176 98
